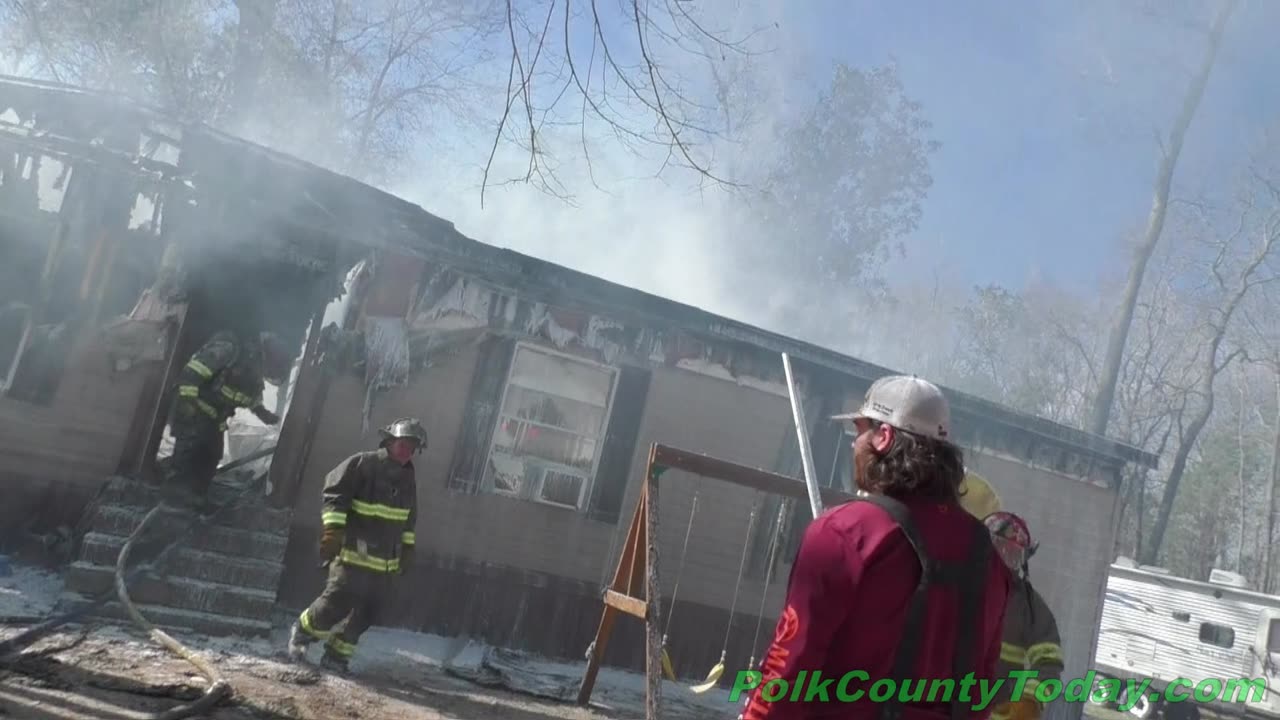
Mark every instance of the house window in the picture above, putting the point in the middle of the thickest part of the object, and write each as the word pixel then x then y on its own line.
pixel 550 427
pixel 1220 635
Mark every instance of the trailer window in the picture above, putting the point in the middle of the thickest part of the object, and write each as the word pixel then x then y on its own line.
pixel 1273 637
pixel 1219 635
pixel 1182 616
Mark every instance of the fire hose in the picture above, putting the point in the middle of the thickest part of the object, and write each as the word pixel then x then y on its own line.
pixel 218 687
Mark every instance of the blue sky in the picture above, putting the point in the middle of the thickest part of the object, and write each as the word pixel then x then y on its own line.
pixel 1047 114
pixel 1043 171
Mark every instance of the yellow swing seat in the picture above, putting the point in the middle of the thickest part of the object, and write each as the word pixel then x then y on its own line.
pixel 713 677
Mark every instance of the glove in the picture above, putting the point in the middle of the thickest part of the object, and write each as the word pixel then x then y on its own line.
pixel 406 558
pixel 331 542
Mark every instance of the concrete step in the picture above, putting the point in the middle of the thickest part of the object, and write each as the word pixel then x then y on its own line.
pixel 121 521
pixel 176 592
pixel 170 619
pixel 102 549
pixel 256 515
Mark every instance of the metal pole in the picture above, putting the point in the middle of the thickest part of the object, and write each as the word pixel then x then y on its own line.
pixel 802 434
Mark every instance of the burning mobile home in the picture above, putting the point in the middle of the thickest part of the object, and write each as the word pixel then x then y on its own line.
pixel 541 389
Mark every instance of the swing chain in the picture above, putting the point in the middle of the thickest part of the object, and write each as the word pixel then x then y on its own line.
pixel 742 564
pixel 688 532
pixel 783 506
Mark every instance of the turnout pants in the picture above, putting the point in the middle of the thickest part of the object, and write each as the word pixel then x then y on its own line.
pixel 197 449
pixel 347 607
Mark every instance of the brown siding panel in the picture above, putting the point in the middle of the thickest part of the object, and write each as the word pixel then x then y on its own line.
pixel 54 457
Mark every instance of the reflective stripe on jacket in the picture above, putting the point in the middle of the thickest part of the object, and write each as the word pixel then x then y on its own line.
pixel 376 500
pixel 224 375
pixel 1031 640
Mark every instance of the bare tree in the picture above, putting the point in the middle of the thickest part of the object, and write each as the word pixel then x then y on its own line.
pixel 354 85
pixel 1273 494
pixel 625 78
pixel 1241 455
pixel 256 19
pixel 1153 394
pixel 1169 154
pixel 1231 288
pixel 381 72
pixel 1262 335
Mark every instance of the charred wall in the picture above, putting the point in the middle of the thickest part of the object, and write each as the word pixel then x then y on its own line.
pixel 79 243
pixel 97 194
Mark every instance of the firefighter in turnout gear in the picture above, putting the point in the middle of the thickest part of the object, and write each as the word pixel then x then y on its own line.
pixel 369 511
pixel 1031 640
pixel 224 375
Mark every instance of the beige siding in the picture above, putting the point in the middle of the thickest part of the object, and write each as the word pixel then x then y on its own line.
pixel 485 527
pixel 726 420
pixel 436 395
pixel 55 456
pixel 708 415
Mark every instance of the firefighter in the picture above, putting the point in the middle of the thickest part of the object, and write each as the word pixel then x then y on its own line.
pixel 369 510
pixel 224 375
pixel 1031 640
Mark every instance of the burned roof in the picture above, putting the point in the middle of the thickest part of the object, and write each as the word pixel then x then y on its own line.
pixel 332 205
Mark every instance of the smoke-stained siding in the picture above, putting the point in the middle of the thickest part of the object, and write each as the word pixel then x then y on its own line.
pixel 54 457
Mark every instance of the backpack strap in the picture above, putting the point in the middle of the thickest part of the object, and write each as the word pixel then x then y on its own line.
pixel 972 583
pixel 909 645
pixel 968 577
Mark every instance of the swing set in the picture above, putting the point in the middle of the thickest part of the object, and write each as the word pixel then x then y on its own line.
pixel 635 590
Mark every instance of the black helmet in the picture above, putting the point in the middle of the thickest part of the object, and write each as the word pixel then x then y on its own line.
pixel 405 428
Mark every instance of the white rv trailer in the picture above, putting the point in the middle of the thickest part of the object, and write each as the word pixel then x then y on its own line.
pixel 1159 627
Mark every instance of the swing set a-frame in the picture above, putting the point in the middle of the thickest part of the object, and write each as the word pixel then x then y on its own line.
pixel 635 590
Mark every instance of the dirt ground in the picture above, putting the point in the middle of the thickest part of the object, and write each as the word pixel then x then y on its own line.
pixel 113 673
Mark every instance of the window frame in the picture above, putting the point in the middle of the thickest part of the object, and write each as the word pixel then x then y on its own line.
pixel 534 494
pixel 53 251
pixel 835 479
pixel 6 378
pixel 1216 630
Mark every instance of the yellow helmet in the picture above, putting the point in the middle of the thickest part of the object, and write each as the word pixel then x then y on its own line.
pixel 977 496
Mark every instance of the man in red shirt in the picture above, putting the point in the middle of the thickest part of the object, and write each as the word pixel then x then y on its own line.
pixel 862 633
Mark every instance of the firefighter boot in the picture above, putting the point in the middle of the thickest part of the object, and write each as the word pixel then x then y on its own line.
pixel 334 662
pixel 299 641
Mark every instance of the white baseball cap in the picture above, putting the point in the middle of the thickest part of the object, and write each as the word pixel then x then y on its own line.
pixel 907 403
